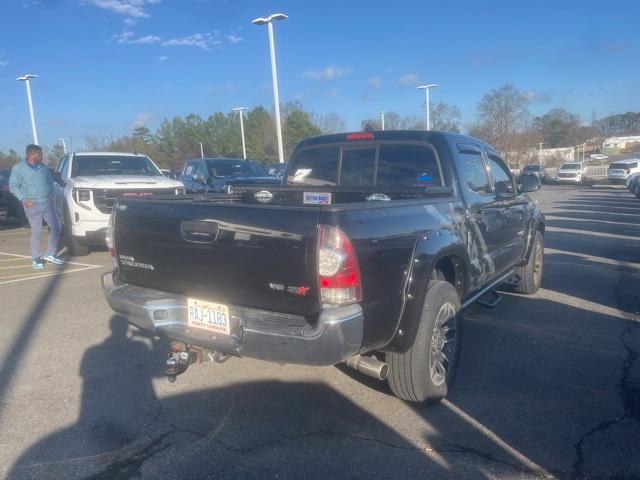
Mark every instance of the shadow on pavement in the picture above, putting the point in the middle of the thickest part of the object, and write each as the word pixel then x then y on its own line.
pixel 533 394
pixel 20 346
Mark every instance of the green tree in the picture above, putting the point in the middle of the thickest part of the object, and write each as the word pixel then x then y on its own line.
pixel 54 154
pixel 297 126
pixel 558 127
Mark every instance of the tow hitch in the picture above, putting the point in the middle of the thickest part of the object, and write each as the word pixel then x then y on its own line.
pixel 182 355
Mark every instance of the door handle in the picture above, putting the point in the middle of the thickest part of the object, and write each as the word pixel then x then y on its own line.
pixel 199 231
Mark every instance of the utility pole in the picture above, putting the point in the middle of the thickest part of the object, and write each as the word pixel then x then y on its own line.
pixel 26 79
pixel 201 150
pixel 240 110
pixel 540 153
pixel 382 119
pixel 426 89
pixel 274 75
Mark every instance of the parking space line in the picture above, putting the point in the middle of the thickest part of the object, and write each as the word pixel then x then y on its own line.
pixel 603 260
pixel 67 262
pixel 16 266
pixel 32 277
pixel 583 304
pixel 12 260
pixel 589 220
pixel 14 233
pixel 592 233
pixel 523 459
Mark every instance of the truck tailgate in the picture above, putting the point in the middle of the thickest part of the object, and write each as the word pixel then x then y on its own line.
pixel 247 255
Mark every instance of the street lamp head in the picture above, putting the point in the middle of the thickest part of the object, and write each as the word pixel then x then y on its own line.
pixel 240 109
pixel 426 86
pixel 25 78
pixel 269 19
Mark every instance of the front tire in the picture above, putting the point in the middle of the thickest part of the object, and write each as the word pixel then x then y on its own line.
pixel 426 370
pixel 531 272
pixel 76 249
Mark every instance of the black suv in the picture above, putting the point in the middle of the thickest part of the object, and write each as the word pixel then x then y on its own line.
pixel 215 175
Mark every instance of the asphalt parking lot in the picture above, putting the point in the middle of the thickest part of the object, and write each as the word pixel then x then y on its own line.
pixel 548 386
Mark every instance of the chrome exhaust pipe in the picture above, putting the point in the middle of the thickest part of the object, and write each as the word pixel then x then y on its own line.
pixel 369 366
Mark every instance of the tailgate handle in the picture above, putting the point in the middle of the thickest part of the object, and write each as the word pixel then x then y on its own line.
pixel 199 232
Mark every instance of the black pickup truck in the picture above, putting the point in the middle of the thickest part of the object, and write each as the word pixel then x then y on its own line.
pixel 365 254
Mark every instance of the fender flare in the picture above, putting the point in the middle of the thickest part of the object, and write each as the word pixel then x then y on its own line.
pixel 428 251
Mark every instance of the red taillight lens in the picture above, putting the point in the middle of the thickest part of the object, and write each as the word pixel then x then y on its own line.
pixel 338 272
pixel 359 136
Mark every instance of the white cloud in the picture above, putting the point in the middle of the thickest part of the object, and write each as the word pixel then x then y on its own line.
pixel 537 97
pixel 4 63
pixel 332 93
pixel 327 73
pixel 163 58
pixel 129 22
pixel 142 120
pixel 375 82
pixel 227 87
pixel 127 37
pixel 234 38
pixel 127 8
pixel 205 41
pixel 409 79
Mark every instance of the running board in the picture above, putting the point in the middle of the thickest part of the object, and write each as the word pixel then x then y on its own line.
pixel 491 286
pixel 490 299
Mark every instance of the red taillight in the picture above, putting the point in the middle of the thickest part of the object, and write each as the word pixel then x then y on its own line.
pixel 359 136
pixel 338 272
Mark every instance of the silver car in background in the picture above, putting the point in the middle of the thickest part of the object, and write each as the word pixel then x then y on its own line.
pixel 571 172
pixel 620 170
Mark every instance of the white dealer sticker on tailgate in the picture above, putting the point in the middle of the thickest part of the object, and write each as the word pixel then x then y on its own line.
pixel 317 198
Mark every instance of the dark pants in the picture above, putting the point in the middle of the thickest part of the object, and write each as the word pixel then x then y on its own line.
pixel 37 213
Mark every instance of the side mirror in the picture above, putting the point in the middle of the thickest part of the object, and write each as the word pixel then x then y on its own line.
pixel 529 183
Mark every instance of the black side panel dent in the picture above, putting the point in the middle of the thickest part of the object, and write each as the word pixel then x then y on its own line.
pixel 430 250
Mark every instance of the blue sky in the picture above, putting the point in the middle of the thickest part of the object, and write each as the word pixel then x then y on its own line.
pixel 105 66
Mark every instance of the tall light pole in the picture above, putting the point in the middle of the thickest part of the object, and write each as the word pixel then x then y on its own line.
pixel 241 111
pixel 201 150
pixel 426 88
pixel 64 144
pixel 274 75
pixel 540 153
pixel 26 79
pixel 382 119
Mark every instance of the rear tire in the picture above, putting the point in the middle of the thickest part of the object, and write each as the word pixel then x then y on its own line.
pixel 531 273
pixel 76 249
pixel 426 370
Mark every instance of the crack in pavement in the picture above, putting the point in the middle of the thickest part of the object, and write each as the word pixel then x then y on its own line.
pixel 629 395
pixel 130 467
pixel 457 449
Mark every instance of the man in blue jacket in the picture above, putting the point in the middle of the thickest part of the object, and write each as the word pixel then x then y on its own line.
pixel 32 184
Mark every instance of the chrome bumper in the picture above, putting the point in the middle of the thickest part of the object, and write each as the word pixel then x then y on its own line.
pixel 276 337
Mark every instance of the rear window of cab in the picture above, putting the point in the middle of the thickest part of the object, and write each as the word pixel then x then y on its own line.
pixel 401 166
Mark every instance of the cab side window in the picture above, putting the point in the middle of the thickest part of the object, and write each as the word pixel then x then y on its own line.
pixel 500 174
pixel 473 174
pixel 62 169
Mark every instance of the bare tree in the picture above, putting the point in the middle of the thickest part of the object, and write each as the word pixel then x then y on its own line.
pixel 502 114
pixel 330 122
pixel 445 117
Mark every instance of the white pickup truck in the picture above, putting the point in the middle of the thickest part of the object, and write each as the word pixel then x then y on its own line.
pixel 91 182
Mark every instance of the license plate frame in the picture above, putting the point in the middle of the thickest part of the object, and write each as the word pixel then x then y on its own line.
pixel 210 316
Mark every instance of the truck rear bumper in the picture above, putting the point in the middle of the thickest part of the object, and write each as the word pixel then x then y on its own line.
pixel 336 336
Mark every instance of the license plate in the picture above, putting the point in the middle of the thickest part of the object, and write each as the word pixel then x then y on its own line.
pixel 213 317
